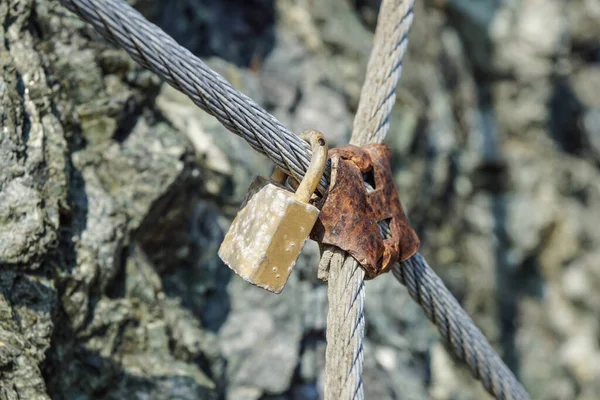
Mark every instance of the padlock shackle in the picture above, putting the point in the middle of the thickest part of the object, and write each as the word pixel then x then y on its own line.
pixel 279 176
pixel 309 184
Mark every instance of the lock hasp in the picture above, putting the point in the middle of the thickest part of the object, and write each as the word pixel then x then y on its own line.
pixel 267 235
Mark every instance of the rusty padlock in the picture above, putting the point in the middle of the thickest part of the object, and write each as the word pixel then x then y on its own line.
pixel 267 235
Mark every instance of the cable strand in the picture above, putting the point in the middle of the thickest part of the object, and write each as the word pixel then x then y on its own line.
pixel 483 361
pixel 152 48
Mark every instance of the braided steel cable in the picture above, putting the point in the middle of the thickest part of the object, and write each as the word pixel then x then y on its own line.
pixel 378 95
pixel 458 329
pixel 345 328
pixel 371 125
pixel 344 361
pixel 147 44
pixel 154 49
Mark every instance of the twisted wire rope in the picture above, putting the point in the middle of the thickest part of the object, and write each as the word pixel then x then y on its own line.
pixel 344 353
pixel 378 95
pixel 371 125
pixel 457 328
pixel 345 328
pixel 147 44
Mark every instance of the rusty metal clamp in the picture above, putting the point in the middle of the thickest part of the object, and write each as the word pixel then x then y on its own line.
pixel 352 214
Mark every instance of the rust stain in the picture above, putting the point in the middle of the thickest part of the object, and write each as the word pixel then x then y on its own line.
pixel 350 214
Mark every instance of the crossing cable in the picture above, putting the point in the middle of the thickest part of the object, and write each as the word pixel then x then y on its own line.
pixel 457 328
pixel 345 291
pixel 378 95
pixel 344 353
pixel 371 124
pixel 150 46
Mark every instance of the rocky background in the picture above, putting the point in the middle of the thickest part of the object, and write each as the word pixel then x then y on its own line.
pixel 115 192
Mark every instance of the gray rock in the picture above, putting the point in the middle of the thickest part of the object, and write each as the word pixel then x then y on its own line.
pixel 260 337
pixel 591 124
pixel 116 191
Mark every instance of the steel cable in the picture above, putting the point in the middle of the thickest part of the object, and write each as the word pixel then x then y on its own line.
pixel 344 353
pixel 371 124
pixel 123 26
pixel 378 95
pixel 458 330
pixel 147 44
pixel 344 361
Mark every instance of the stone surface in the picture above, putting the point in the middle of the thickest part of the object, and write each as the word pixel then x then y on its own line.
pixel 116 191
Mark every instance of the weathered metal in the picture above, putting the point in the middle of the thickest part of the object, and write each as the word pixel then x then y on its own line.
pixel 351 213
pixel 267 235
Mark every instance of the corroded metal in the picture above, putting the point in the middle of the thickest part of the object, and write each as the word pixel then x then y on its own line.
pixel 351 213
pixel 267 235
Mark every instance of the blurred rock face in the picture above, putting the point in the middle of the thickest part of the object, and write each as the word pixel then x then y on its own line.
pixel 115 193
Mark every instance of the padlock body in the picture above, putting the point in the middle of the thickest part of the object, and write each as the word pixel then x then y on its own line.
pixel 267 235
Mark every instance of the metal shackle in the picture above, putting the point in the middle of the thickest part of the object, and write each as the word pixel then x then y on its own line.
pixel 315 170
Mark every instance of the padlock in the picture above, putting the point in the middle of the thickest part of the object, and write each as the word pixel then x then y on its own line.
pixel 268 233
